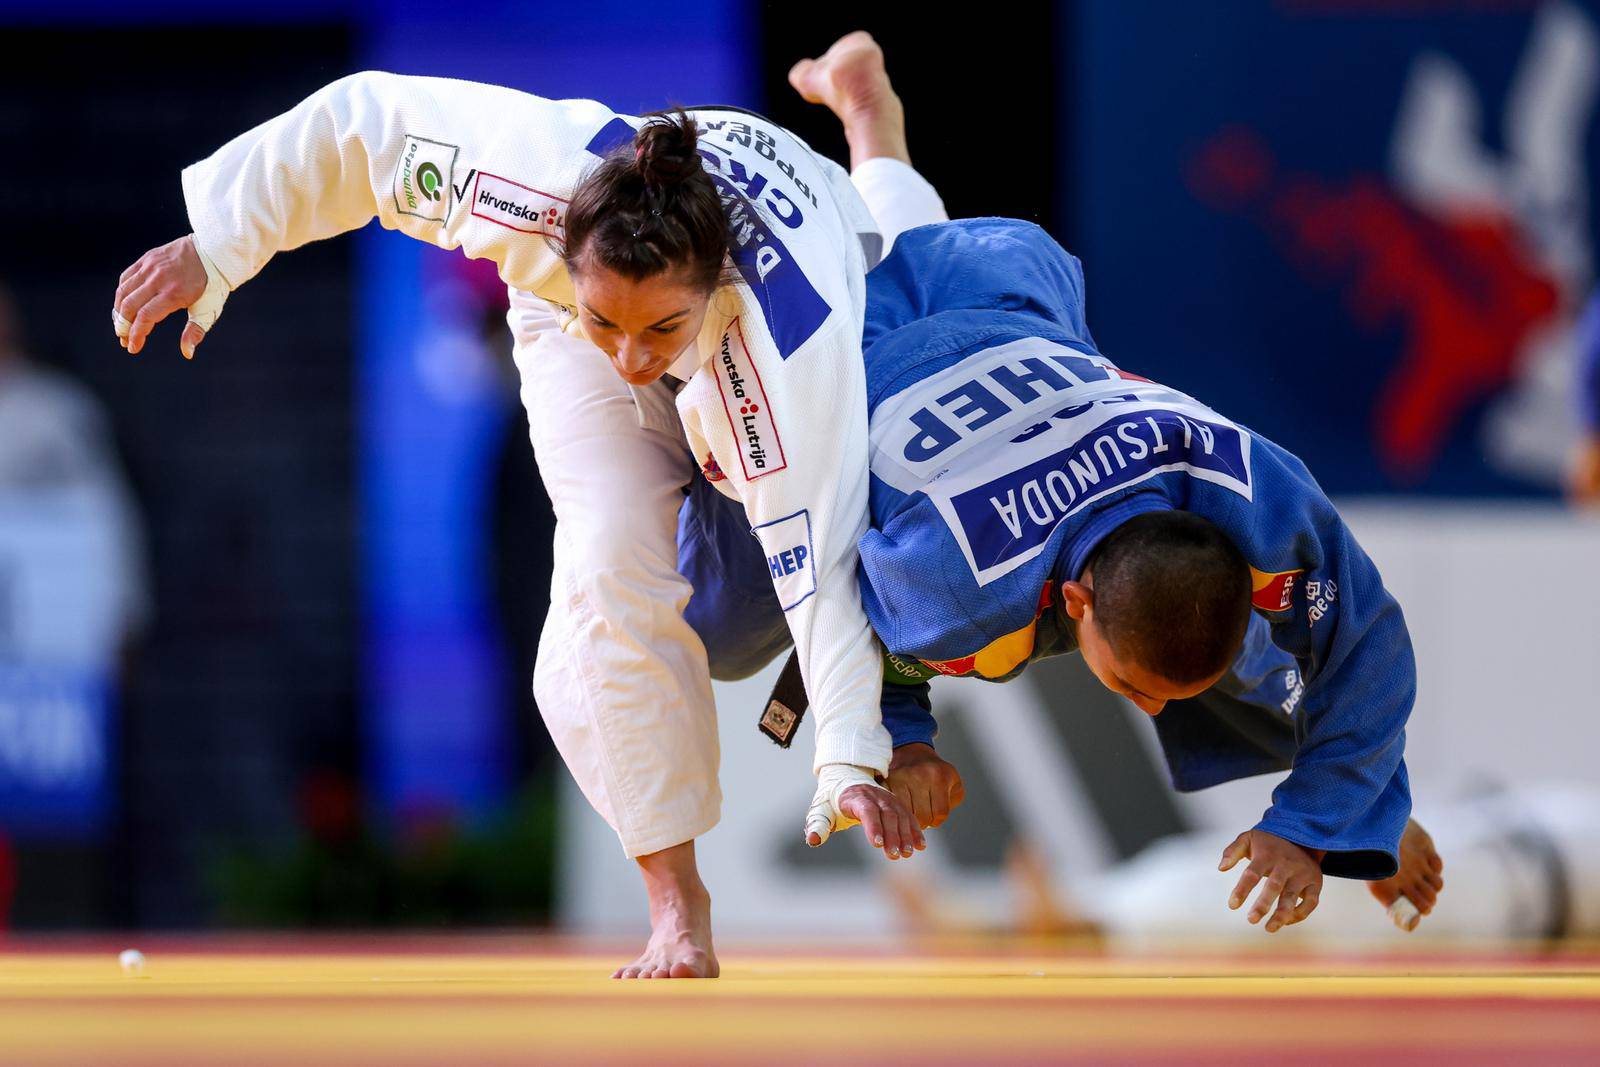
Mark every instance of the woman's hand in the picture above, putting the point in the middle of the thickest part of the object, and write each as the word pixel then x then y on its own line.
pixel 163 280
pixel 847 795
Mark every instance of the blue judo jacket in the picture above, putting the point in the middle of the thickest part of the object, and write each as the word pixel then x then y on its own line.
pixel 1005 447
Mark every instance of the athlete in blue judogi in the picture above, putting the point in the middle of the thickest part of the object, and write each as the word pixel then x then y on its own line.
pixel 1030 498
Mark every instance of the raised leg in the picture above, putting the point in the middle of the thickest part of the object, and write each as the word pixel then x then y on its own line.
pixel 850 79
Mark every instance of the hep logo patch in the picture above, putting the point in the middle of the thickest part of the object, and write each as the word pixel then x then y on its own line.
pixel 786 542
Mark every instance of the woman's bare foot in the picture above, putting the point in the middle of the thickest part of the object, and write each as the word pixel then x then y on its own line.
pixel 680 919
pixel 851 80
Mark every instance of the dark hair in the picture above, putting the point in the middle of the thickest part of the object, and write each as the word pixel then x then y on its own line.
pixel 1172 593
pixel 650 207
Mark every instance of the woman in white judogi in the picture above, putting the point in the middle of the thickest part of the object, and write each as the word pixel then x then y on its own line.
pixel 616 237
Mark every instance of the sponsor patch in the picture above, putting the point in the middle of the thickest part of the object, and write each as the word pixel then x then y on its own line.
pixel 899 670
pixel 755 433
pixel 1296 687
pixel 519 207
pixel 423 178
pixel 787 545
pixel 1273 592
pixel 1320 599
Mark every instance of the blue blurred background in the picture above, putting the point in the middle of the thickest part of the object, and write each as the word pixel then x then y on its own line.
pixel 266 634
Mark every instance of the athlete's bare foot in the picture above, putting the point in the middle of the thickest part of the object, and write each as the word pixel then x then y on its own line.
pixel 680 919
pixel 1421 875
pixel 851 80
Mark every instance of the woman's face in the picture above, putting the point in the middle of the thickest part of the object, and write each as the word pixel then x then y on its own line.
pixel 641 325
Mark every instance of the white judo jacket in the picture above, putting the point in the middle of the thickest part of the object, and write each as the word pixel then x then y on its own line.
pixel 774 407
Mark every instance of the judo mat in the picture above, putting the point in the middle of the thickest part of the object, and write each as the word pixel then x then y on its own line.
pixel 522 999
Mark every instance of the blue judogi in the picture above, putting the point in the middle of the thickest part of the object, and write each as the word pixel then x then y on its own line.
pixel 1005 447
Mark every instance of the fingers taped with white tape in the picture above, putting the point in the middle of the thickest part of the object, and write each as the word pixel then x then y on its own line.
pixel 1405 914
pixel 120 324
pixel 203 312
pixel 824 816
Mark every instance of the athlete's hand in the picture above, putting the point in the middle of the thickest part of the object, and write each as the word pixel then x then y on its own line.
pixel 1583 476
pixel 848 795
pixel 1288 873
pixel 926 784
pixel 161 281
pixel 1420 878
pixel 886 820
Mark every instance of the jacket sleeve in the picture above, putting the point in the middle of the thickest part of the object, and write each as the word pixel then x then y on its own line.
pixel 437 159
pixel 1347 792
pixel 808 508
pixel 908 714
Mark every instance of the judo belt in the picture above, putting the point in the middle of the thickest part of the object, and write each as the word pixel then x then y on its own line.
pixel 786 707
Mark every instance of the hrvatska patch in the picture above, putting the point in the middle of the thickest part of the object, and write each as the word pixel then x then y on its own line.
pixel 750 417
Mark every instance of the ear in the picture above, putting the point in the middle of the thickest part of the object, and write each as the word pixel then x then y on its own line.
pixel 1077 598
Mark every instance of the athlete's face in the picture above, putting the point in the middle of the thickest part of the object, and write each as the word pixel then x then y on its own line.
pixel 1148 692
pixel 642 325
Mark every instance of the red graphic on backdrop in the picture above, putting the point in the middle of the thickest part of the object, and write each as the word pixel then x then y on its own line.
pixel 1462 287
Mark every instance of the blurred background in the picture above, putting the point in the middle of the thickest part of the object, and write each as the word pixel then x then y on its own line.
pixel 268 620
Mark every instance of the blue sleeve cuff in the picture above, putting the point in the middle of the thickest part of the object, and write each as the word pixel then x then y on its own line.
pixel 908 714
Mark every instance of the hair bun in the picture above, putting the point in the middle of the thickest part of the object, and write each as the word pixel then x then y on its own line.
pixel 666 150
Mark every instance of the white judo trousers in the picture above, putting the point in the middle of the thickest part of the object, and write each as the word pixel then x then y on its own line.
pixel 622 679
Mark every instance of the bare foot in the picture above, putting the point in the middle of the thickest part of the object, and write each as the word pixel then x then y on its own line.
pixel 1421 875
pixel 680 919
pixel 850 79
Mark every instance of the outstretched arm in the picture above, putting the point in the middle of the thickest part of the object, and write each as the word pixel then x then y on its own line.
pixel 456 164
pixel 1347 792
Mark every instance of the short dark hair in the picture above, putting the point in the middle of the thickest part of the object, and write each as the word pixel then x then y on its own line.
pixel 649 207
pixel 1172 593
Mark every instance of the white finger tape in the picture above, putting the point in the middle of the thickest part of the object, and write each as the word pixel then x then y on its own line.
pixel 824 816
pixel 203 312
pixel 1405 914
pixel 120 324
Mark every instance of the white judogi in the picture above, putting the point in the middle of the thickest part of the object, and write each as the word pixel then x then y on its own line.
pixel 774 403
